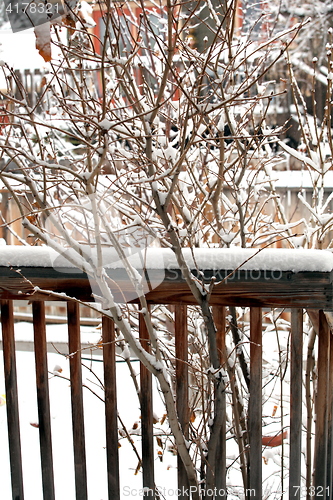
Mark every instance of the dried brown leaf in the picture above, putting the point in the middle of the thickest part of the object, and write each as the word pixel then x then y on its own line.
pixel 43 41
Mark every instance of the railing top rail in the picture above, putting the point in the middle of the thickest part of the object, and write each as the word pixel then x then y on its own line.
pixel 242 277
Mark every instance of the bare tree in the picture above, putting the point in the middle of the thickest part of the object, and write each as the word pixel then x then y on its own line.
pixel 138 139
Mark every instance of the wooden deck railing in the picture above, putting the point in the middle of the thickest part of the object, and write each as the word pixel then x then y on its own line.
pixel 312 291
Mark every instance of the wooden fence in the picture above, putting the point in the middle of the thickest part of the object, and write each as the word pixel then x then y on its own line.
pixel 305 290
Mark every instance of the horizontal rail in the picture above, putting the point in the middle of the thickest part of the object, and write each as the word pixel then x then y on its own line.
pixel 248 288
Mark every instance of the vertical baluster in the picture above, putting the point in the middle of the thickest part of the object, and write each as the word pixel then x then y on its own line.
pixel 320 455
pixel 74 346
pixel 8 343
pixel 146 401
pixel 220 472
pixel 295 456
pixel 255 404
pixel 111 414
pixel 182 402
pixel 43 401
pixel 329 481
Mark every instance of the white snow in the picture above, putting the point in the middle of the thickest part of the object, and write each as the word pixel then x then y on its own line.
pixel 43 35
pixel 11 52
pixel 299 179
pixel 18 50
pixel 86 14
pixel 56 334
pixel 163 258
pixel 298 155
pixel 105 124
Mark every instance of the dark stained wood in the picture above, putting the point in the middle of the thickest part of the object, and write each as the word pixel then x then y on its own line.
pixel 320 454
pixel 43 401
pixel 220 470
pixel 252 288
pixel 295 455
pixel 21 285
pixel 255 405
pixel 74 346
pixel 8 342
pixel 111 414
pixel 329 481
pixel 182 401
pixel 314 318
pixel 146 402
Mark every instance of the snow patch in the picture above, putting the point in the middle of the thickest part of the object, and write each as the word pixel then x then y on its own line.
pixel 295 260
pixel 105 124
